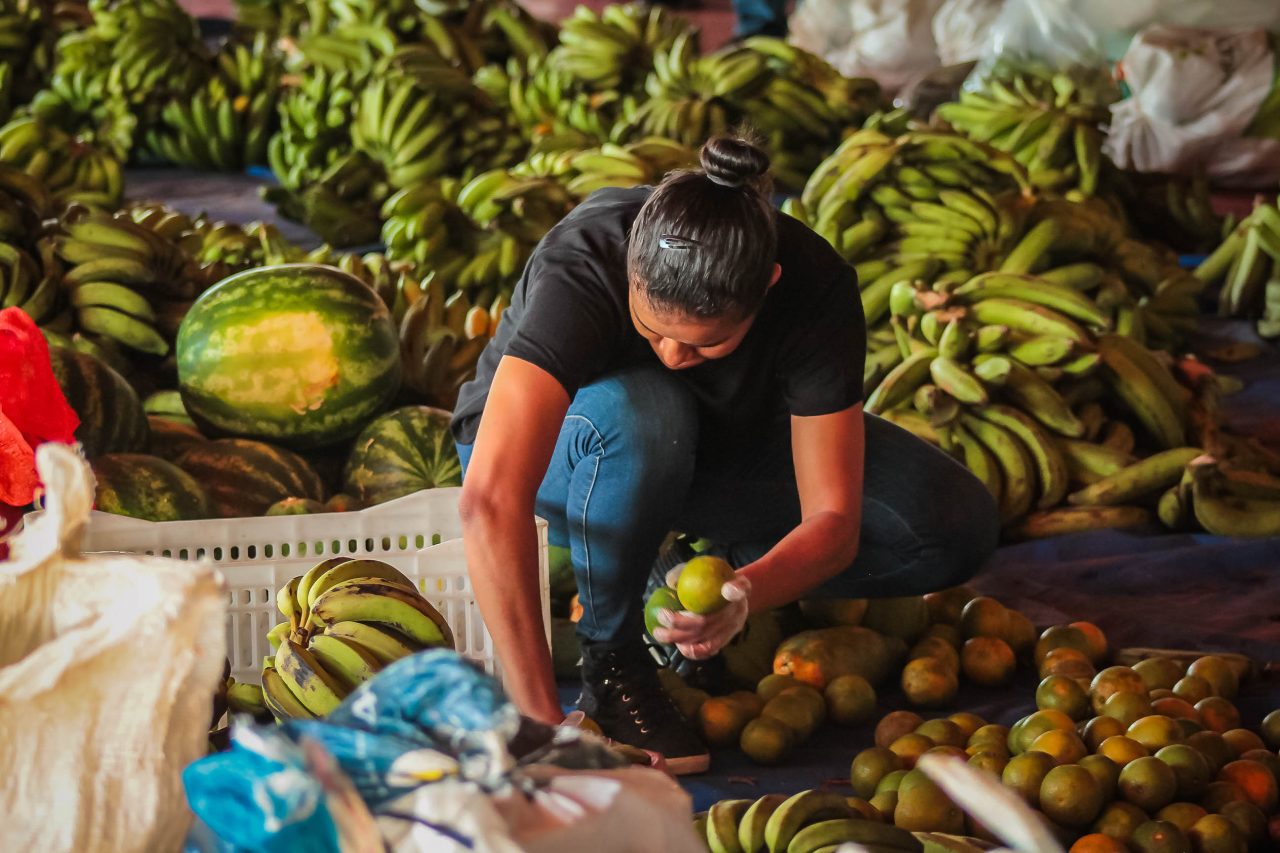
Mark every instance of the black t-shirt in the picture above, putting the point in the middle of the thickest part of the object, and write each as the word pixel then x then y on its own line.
pixel 569 316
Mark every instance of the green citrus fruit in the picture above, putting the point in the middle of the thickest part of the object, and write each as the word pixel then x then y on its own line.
pixel 700 583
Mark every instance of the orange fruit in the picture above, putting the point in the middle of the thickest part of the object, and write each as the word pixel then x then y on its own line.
pixel 929 683
pixel 1064 747
pixel 1122 749
pixel 1266 758
pixel 1061 636
pixel 1159 693
pixel 1256 780
pixel 1126 707
pixel 1159 672
pixel 983 617
pixel 1181 815
pixel 1172 706
pixel 992 762
pixel 946 605
pixel 721 721
pixel 1159 836
pixel 1097 641
pixel 1070 796
pixel 942 732
pixel 1193 688
pixel 1067 661
pixel 1218 714
pixel 870 766
pixel 1114 679
pixel 1155 732
pixel 1119 819
pixel 1063 694
pixel 1215 670
pixel 992 733
pixel 1025 773
pixel 699 585
pixel 952 751
pixel 1240 741
pixel 766 741
pixel 1105 771
pixel 910 747
pixel 1247 818
pixel 947 633
pixel 1216 833
pixel 1096 842
pixel 924 807
pixel 851 700
pixel 1213 747
pixel 1148 783
pixel 1190 768
pixel 1218 794
pixel 1271 729
pixel 987 661
pixel 894 725
pixel 967 722
pixel 1099 729
pixel 773 684
pixel 1020 633
pixel 935 647
pixel 1037 724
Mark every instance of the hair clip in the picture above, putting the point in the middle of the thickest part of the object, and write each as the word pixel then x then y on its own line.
pixel 679 244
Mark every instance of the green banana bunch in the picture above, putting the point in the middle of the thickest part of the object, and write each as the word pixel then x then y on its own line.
pixel 275 18
pixel 83 103
pixel 126 282
pixel 441 338
pixel 549 104
pixel 806 822
pixel 1247 266
pixel 70 170
pixel 315 114
pixel 614 50
pixel 227 123
pixel 156 51
pixel 30 284
pixel 1048 120
pixel 346 619
pixel 28 34
pixel 1170 209
pixel 423 226
pixel 341 205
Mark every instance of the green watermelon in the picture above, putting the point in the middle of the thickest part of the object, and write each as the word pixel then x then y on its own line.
pixel 171 439
pixel 245 477
pixel 148 487
pixel 402 452
pixel 295 506
pixel 298 354
pixel 111 416
pixel 167 405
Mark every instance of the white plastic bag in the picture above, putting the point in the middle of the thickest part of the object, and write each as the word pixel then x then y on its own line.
pixel 108 665
pixel 962 29
pixel 1193 94
pixel 890 41
pixel 1050 34
pixel 633 810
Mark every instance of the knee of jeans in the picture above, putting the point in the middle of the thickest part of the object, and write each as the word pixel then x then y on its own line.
pixel 968 537
pixel 650 412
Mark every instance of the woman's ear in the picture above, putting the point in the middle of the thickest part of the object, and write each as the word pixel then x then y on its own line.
pixel 777 274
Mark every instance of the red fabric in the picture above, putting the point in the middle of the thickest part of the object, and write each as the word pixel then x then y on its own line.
pixel 32 408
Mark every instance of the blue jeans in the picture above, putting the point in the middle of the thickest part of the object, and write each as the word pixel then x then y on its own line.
pixel 760 18
pixel 627 469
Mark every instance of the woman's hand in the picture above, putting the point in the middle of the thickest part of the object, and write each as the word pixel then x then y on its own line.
pixel 701 637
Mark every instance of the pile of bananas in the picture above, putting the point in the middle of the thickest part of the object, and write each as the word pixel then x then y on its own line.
pixel 30 275
pixel 441 338
pixel 806 822
pixel 1224 498
pixel 1173 210
pixel 553 110
pixel 315 111
pixel 616 49
pixel 227 123
pixel 347 619
pixel 72 172
pixel 127 282
pixel 1050 121
pixel 1247 265
pixel 1013 374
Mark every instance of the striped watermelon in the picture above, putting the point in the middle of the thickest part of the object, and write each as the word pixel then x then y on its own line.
pixel 299 354
pixel 148 487
pixel 404 451
pixel 111 416
pixel 245 477
pixel 171 439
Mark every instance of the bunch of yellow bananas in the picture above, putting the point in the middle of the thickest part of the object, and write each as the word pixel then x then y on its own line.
pixel 346 620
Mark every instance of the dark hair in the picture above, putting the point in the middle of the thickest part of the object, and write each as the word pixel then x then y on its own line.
pixel 705 242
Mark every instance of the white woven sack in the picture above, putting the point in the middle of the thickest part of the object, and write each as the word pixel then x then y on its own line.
pixel 108 665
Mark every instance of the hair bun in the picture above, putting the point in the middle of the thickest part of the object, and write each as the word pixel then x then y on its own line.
pixel 734 161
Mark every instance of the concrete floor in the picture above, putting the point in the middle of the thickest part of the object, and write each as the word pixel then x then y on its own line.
pixel 714 17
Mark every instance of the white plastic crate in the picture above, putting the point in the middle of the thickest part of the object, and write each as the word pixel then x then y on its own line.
pixel 419 534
